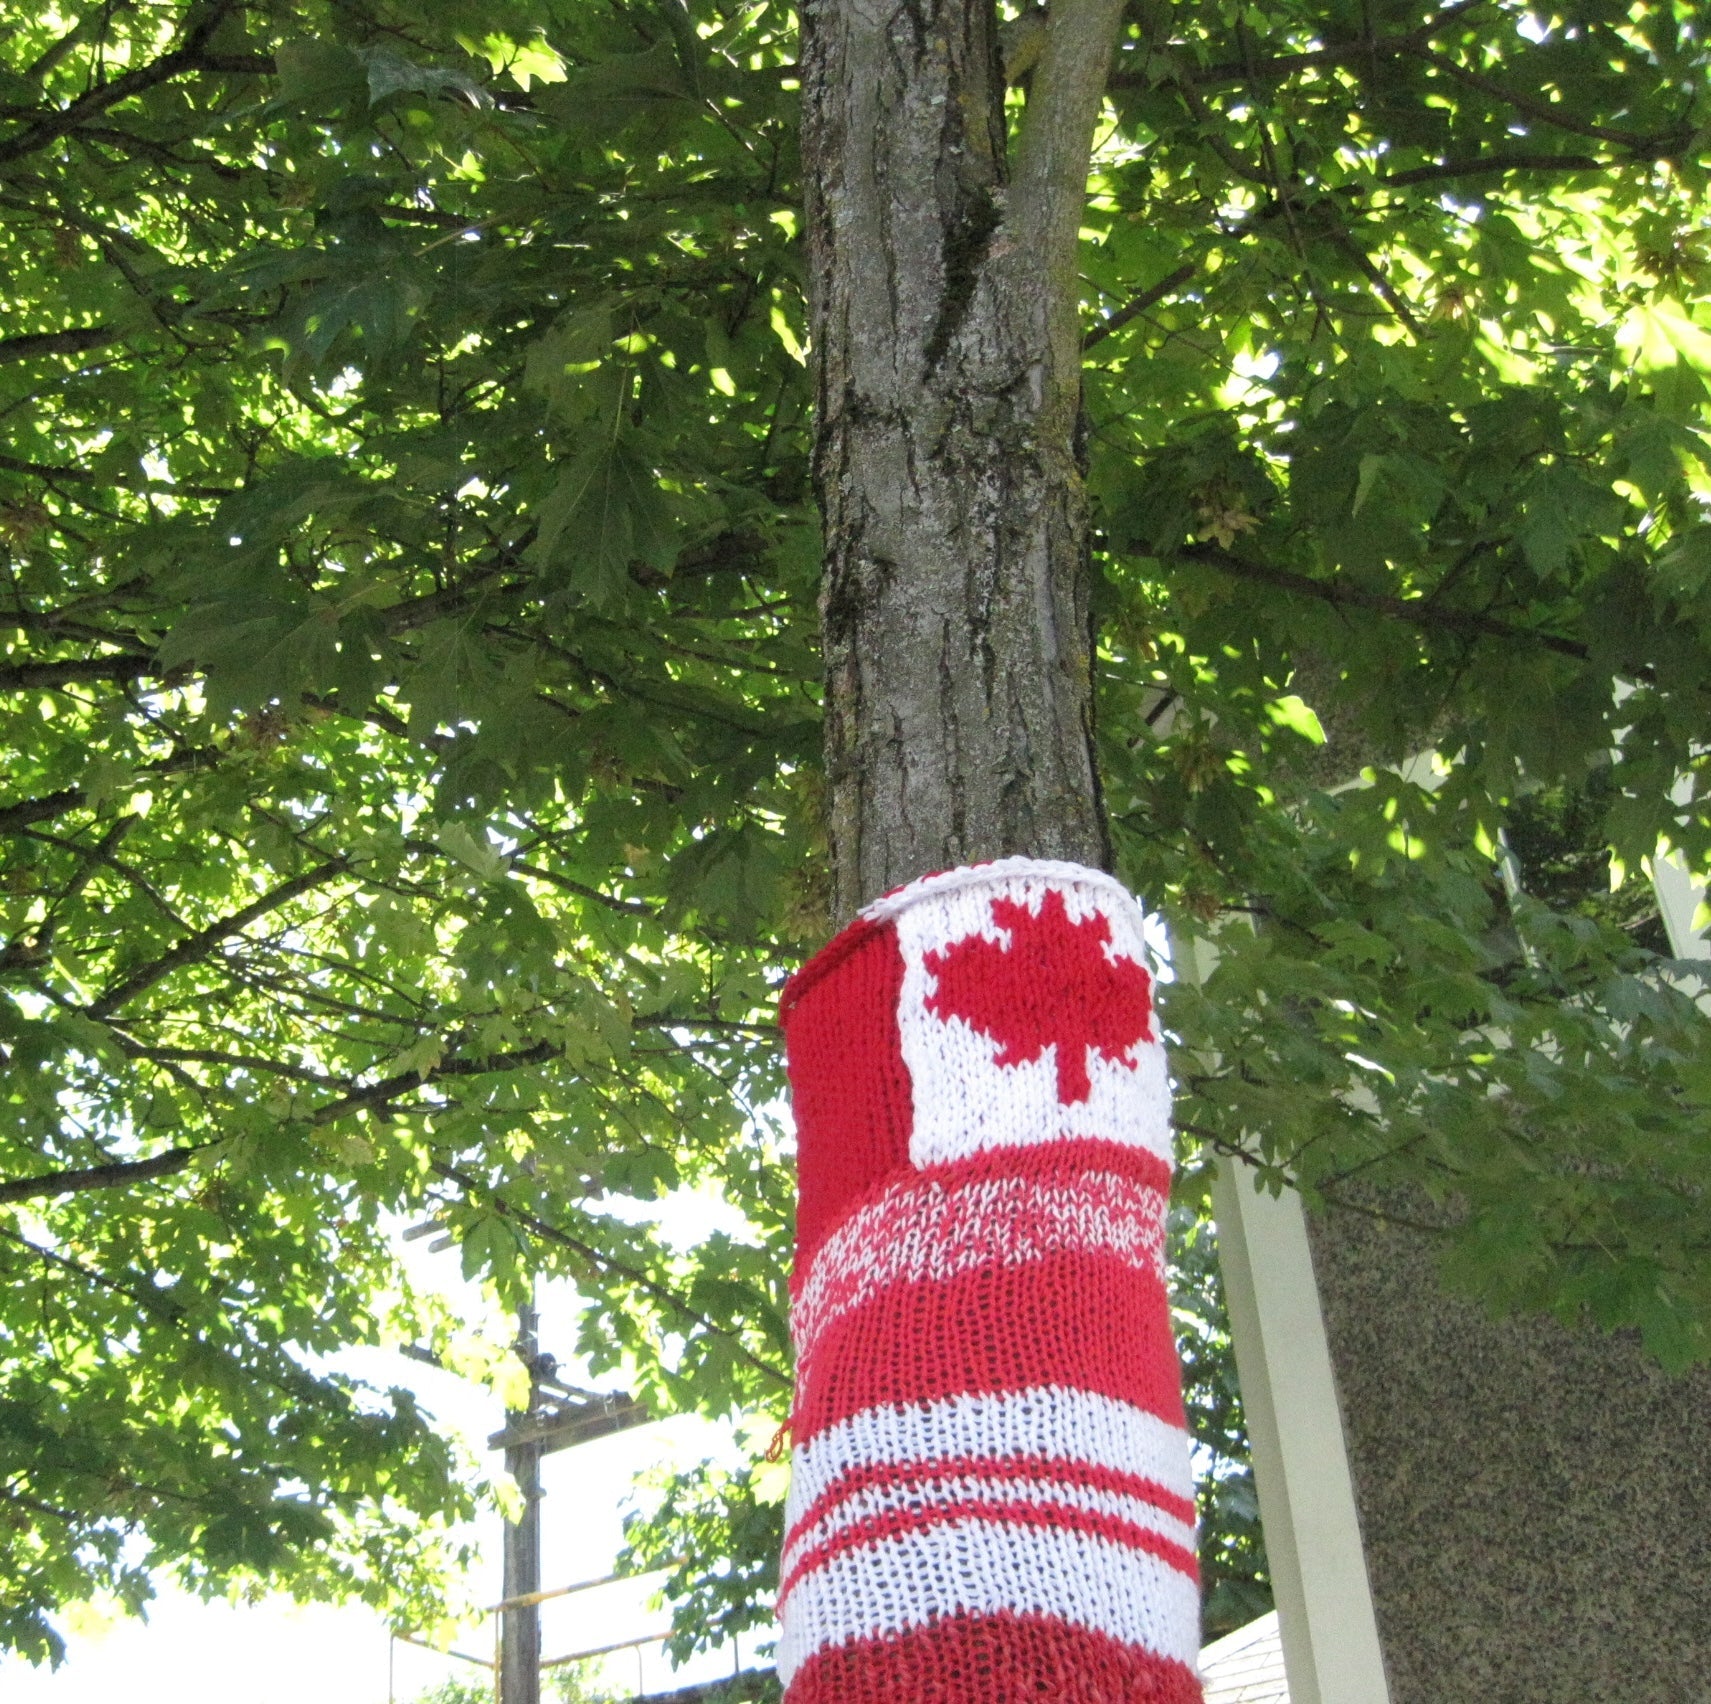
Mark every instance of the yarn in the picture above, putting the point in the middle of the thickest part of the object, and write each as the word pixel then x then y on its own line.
pixel 991 1497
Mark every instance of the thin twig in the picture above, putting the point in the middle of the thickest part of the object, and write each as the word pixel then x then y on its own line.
pixel 1138 305
pixel 1648 147
pixel 551 1233
pixel 198 946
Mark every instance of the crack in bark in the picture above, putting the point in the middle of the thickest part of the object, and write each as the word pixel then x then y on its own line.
pixel 968 240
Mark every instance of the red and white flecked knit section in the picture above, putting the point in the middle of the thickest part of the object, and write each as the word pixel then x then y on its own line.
pixel 990 1497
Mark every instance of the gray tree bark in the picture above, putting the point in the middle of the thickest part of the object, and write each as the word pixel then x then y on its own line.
pixel 947 355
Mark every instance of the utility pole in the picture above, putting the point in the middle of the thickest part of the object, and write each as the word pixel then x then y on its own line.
pixel 520 1623
pixel 557 1416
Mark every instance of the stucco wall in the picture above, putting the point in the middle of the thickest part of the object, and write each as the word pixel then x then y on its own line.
pixel 1535 1502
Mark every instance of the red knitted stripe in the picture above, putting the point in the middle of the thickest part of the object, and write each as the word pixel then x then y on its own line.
pixel 845 944
pixel 1058 1470
pixel 932 1228
pixel 1070 1158
pixel 1080 1321
pixel 997 1659
pixel 1067 1155
pixel 849 1086
pixel 1055 1517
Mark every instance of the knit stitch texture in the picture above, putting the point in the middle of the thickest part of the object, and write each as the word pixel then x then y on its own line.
pixel 990 1497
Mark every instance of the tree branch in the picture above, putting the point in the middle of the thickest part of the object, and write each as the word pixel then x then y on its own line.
pixel 187 57
pixel 162 1306
pixel 58 49
pixel 1138 305
pixel 228 1061
pixel 21 815
pixel 199 945
pixel 629 907
pixel 1414 610
pixel 376 1096
pixel 100 855
pixel 1048 191
pixel 68 671
pixel 51 471
pixel 551 1233
pixel 49 805
pixel 1647 147
pixel 40 1508
pixel 1387 291
pixel 113 1176
pixel 29 345
pixel 1282 65
pixel 1492 164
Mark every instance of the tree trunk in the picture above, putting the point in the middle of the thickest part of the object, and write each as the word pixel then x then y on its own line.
pixel 947 350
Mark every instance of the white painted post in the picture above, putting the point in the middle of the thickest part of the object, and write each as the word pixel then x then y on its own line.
pixel 1679 897
pixel 1331 1651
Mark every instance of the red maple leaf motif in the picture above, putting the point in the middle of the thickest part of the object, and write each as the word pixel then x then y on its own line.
pixel 1053 984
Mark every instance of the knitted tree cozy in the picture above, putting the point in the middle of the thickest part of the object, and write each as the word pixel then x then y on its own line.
pixel 990 1494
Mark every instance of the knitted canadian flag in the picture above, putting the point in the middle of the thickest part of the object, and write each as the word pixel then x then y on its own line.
pixel 990 1494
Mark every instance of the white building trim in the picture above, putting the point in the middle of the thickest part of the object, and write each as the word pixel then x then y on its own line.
pixel 1331 1651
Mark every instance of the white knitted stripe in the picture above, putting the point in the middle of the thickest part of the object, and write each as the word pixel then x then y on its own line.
pixel 920 1498
pixel 924 1229
pixel 964 1102
pixel 1047 1422
pixel 984 1568
pixel 947 882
